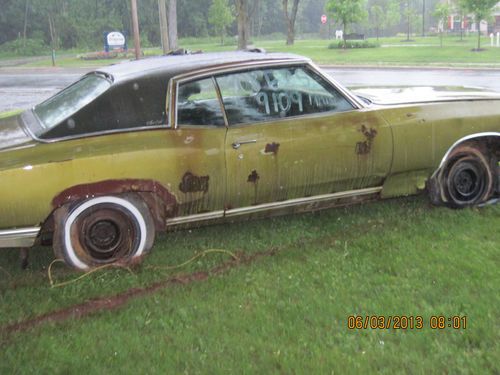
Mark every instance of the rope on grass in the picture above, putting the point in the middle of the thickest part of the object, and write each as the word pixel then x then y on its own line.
pixel 117 265
pixel 86 274
pixel 196 256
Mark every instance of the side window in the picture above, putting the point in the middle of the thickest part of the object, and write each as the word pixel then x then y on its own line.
pixel 126 106
pixel 198 104
pixel 267 94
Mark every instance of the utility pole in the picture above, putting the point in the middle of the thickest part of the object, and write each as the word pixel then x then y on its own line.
pixel 423 17
pixel 162 10
pixel 135 25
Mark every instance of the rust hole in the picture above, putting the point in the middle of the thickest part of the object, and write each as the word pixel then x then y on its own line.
pixel 272 148
pixel 191 183
pixel 253 177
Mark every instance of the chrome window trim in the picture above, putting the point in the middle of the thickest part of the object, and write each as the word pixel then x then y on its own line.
pixel 211 72
pixel 102 133
pixel 358 104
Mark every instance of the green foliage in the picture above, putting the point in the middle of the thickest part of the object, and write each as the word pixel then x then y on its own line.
pixel 28 47
pixel 220 16
pixel 441 12
pixel 353 44
pixel 347 11
pixel 383 14
pixel 481 9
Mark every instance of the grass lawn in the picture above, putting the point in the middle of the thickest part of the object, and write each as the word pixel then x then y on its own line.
pixel 393 52
pixel 285 313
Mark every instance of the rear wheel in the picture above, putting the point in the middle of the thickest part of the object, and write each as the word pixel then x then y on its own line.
pixel 468 178
pixel 103 230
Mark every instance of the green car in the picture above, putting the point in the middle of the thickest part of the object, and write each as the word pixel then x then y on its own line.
pixel 141 147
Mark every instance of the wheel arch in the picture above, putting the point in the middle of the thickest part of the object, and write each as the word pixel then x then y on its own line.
pixel 487 139
pixel 161 203
pixel 488 143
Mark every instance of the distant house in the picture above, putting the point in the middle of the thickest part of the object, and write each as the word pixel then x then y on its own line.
pixel 457 22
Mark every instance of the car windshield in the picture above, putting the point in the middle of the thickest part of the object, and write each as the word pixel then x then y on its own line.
pixel 63 105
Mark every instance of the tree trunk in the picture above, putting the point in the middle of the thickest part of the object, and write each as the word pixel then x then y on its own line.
pixel 408 31
pixel 290 20
pixel 243 27
pixel 172 24
pixel 135 26
pixel 25 23
pixel 162 11
pixel 423 18
pixel 478 37
pixel 344 28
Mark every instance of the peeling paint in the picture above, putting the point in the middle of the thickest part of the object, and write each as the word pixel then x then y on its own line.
pixel 191 183
pixel 363 148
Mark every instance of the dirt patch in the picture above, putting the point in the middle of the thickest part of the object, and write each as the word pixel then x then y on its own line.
pixel 109 303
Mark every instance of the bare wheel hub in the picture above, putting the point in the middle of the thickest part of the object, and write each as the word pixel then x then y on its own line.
pixel 107 234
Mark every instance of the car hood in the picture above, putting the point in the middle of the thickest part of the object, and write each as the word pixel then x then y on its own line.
pixel 422 94
pixel 12 132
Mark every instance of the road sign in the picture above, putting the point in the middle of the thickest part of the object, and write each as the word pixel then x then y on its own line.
pixel 323 19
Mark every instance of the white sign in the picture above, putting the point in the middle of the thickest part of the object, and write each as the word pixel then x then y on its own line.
pixel 115 39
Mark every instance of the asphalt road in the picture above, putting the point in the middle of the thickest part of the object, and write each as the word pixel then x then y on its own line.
pixel 23 89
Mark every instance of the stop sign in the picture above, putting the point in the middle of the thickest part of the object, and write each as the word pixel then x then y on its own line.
pixel 323 19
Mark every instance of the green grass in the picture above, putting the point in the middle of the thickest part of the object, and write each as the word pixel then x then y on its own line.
pixel 394 52
pixel 285 313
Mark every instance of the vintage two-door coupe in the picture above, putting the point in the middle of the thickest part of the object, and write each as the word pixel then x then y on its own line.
pixel 139 147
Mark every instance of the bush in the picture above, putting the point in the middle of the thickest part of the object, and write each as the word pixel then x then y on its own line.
pixel 353 44
pixel 31 47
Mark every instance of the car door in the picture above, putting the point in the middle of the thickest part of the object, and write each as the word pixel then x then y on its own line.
pixel 200 156
pixel 292 134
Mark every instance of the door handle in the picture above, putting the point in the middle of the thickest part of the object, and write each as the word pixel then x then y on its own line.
pixel 236 145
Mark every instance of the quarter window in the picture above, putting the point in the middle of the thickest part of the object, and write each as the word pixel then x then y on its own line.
pixel 267 94
pixel 198 104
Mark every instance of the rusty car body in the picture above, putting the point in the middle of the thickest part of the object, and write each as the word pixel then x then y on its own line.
pixel 140 147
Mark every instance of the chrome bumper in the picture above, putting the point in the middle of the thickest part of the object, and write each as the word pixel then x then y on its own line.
pixel 23 237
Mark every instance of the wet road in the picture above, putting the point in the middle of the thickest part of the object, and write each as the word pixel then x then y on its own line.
pixel 21 89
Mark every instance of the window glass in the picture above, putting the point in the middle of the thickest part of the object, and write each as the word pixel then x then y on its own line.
pixel 198 104
pixel 266 94
pixel 127 105
pixel 64 104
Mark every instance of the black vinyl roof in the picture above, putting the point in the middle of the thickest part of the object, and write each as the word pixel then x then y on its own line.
pixel 179 64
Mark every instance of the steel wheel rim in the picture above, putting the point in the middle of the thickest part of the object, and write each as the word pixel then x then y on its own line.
pixel 466 182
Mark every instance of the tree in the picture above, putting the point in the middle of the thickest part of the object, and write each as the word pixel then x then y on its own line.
pixel 441 12
pixel 377 18
pixel 242 12
pixel 220 15
pixel 410 15
pixel 481 9
pixel 290 20
pixel 347 11
pixel 462 9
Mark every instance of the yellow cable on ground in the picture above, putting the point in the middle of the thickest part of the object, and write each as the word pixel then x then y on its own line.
pixel 117 265
pixel 93 270
pixel 199 255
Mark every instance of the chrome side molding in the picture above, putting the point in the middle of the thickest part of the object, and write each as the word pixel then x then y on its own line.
pixel 308 202
pixel 22 237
